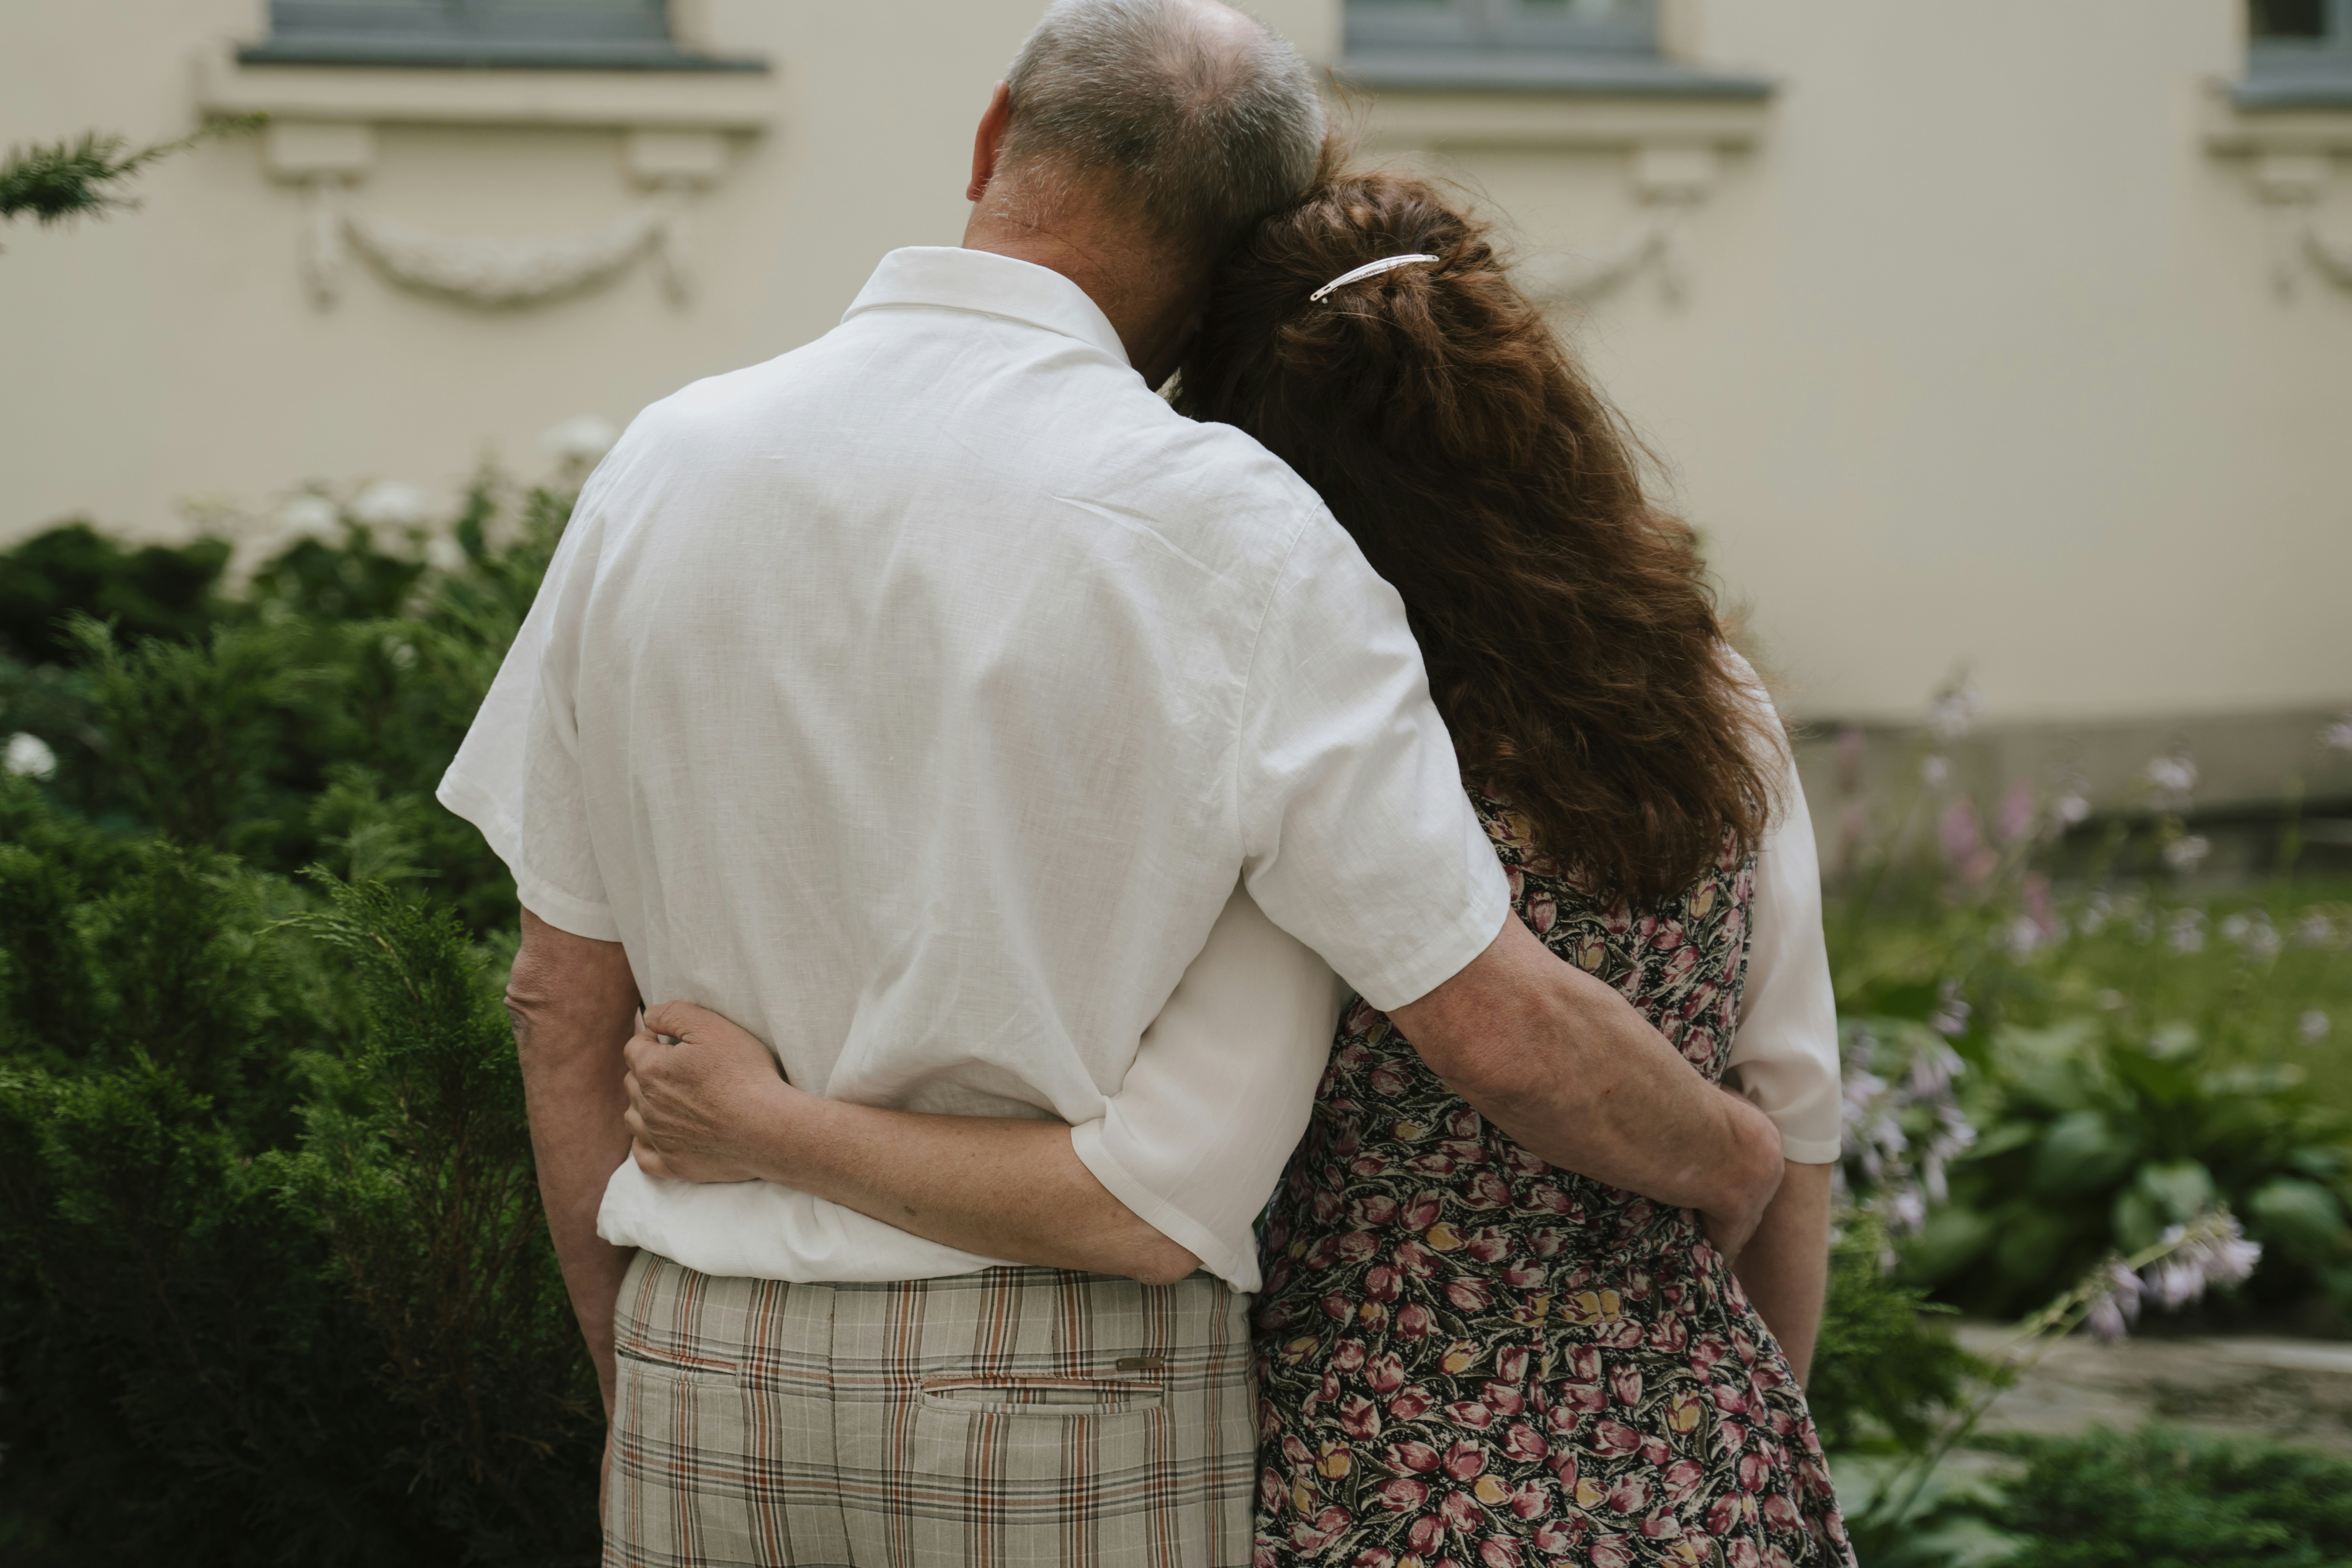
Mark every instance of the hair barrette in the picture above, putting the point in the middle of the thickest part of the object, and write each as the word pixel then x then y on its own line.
pixel 1369 269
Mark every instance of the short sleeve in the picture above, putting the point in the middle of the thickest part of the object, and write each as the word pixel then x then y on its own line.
pixel 517 776
pixel 1358 837
pixel 1219 1092
pixel 1784 1056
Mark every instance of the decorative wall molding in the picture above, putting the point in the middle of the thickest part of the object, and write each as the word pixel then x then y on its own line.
pixel 1673 151
pixel 494 272
pixel 321 139
pixel 1670 182
pixel 2290 160
pixel 2291 185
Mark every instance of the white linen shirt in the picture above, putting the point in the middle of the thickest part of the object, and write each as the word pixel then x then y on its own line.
pixel 1225 1078
pixel 918 699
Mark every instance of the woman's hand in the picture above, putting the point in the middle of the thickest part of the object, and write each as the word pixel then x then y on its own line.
pixel 701 1110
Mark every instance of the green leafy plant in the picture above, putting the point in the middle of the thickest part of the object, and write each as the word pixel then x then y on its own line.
pixel 1886 1373
pixel 1906 1502
pixel 2040 1073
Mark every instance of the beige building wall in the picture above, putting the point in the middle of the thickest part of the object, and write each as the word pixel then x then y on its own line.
pixel 1966 347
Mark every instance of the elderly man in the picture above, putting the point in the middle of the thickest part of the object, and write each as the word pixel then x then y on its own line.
pixel 928 701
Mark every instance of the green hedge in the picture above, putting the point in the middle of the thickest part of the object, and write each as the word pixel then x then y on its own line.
pixel 274 1282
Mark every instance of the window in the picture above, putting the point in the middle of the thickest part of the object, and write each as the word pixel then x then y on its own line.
pixel 1603 48
pixel 1608 27
pixel 2299 54
pixel 627 34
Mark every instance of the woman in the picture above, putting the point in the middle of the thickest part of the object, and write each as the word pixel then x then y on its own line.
pixel 1464 1354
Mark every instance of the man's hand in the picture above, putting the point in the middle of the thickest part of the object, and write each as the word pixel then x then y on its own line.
pixel 1732 1222
pixel 701 1110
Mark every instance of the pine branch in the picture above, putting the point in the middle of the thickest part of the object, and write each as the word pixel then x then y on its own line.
pixel 57 181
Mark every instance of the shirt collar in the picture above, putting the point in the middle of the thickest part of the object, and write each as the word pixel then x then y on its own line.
pixel 950 278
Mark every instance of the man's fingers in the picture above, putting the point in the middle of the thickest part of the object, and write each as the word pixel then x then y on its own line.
pixel 648 1157
pixel 679 1019
pixel 641 1045
pixel 635 1122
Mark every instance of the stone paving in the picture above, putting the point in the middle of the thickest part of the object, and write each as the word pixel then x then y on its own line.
pixel 2292 1391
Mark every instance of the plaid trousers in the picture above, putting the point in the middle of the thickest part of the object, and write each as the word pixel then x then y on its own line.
pixel 1013 1418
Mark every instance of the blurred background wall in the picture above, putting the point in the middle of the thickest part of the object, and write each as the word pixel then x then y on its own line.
pixel 2012 338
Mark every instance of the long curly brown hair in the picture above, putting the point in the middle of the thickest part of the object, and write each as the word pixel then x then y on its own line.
pixel 1572 641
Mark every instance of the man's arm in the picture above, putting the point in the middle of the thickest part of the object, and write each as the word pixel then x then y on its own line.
pixel 1558 1059
pixel 713 1107
pixel 1785 1268
pixel 1563 1063
pixel 574 1005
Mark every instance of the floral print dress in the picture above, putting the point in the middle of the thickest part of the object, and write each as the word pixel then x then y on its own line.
pixel 1468 1359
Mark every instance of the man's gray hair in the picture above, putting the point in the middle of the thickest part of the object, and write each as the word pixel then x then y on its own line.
pixel 1191 115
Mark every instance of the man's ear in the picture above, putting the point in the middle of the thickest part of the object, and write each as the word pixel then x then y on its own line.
pixel 988 141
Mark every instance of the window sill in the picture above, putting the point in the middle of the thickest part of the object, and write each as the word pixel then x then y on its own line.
pixel 2262 117
pixel 700 99
pixel 491 54
pixel 2289 94
pixel 1554 72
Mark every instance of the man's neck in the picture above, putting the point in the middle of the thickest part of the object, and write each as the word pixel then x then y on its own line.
pixel 1149 297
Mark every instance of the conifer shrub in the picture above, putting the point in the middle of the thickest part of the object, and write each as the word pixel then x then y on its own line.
pixel 2157 1499
pixel 274 1282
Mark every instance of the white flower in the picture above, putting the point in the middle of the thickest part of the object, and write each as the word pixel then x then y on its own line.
pixel 2337 737
pixel 1951 1018
pixel 2126 1288
pixel 1954 714
pixel 2186 852
pixel 2313 1027
pixel 2177 1280
pixel 2257 936
pixel 2024 936
pixel 2116 1306
pixel 29 757
pixel 2188 933
pixel 308 516
pixel 403 655
pixel 2215 1249
pixel 580 439
pixel 388 503
pixel 444 554
pixel 2072 807
pixel 2174 777
pixel 2316 930
pixel 1933 1069
pixel 2234 1259
pixel 1906 1211
pixel 1935 769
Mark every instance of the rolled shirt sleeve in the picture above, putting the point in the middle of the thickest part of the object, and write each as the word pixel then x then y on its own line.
pixel 1357 839
pixel 1221 1091
pixel 517 777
